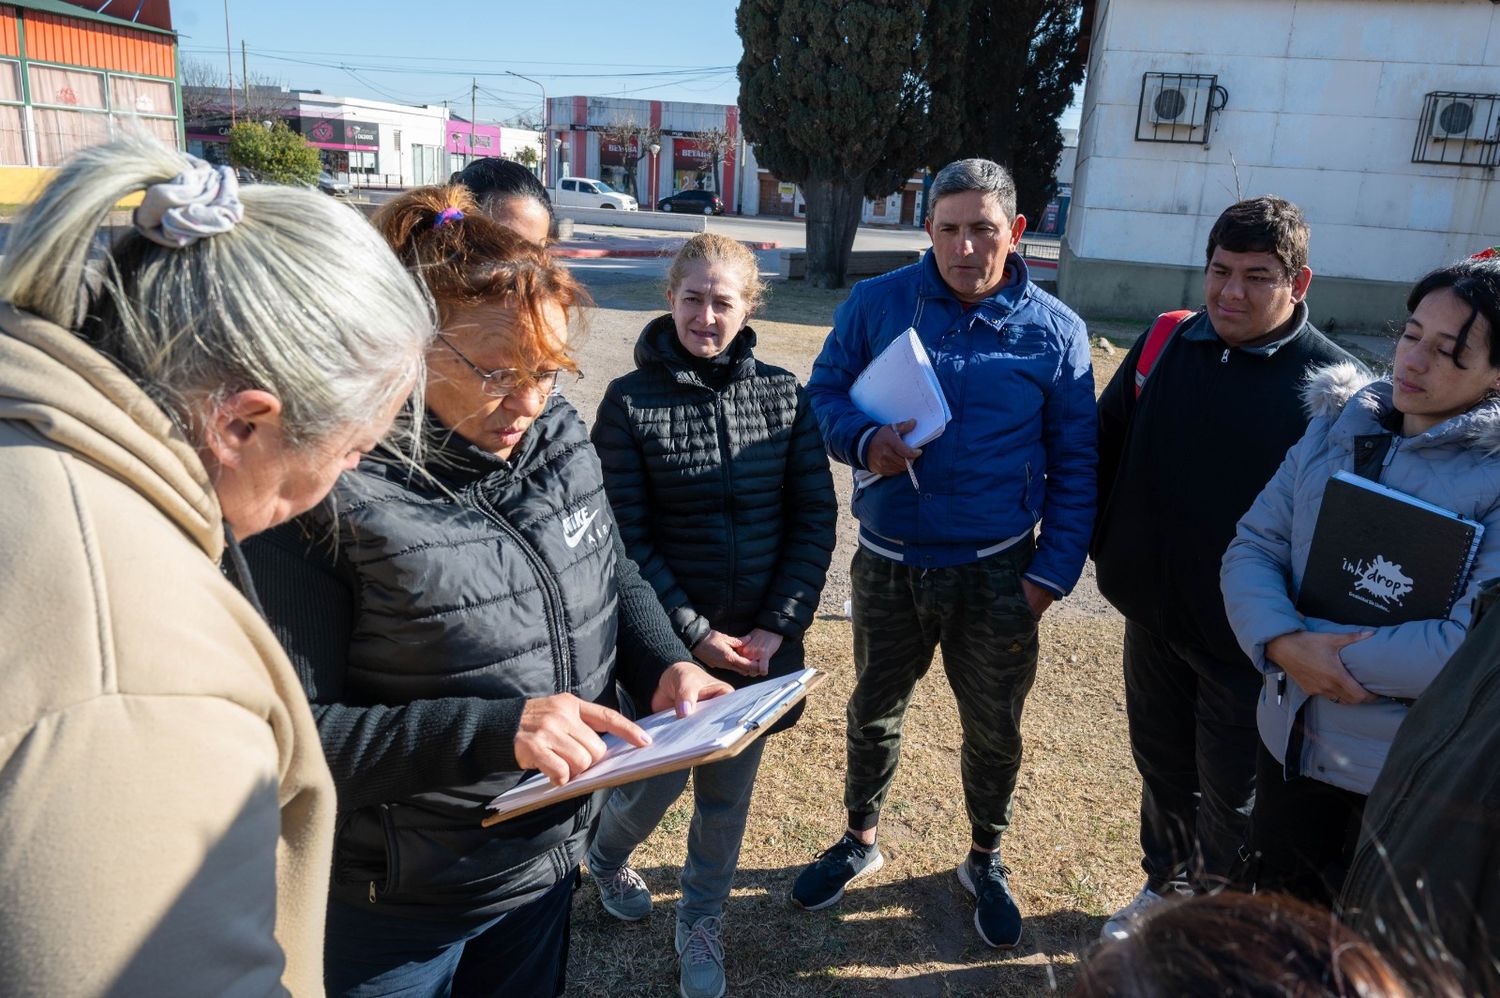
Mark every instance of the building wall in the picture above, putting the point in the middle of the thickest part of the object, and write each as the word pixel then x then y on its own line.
pixel 412 142
pixel 1324 103
pixel 70 82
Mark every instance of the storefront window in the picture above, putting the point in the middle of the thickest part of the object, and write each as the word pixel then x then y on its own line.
pixel 128 93
pixel 60 133
pixel 67 87
pixel 691 167
pixel 363 162
pixel 10 81
pixel 164 130
pixel 12 137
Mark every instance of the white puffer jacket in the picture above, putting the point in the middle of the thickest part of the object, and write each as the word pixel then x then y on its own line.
pixel 1452 465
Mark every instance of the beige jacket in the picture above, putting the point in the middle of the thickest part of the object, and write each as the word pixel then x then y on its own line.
pixel 166 816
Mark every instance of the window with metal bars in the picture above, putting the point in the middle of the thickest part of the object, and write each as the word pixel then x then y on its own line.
pixel 1458 129
pixel 1178 107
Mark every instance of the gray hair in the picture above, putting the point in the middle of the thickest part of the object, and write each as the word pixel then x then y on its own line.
pixel 302 298
pixel 983 175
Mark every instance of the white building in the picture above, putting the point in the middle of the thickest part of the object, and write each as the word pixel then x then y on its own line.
pixel 1380 118
pixel 376 142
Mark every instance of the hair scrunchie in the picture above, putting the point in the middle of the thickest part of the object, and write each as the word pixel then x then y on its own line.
pixel 200 202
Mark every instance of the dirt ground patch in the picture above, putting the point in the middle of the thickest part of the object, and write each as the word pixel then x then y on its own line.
pixel 908 930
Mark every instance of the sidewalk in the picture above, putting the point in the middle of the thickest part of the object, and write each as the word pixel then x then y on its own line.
pixel 592 242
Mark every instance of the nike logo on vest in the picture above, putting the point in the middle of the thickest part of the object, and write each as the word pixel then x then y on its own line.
pixel 576 525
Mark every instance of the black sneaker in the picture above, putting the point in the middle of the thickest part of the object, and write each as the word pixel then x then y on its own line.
pixel 995 913
pixel 822 883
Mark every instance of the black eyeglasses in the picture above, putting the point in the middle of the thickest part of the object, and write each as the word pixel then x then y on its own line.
pixel 506 381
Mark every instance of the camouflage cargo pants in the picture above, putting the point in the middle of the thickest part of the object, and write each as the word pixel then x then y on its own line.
pixel 979 616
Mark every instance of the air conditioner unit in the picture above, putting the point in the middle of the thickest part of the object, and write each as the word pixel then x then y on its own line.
pixel 1466 119
pixel 1181 103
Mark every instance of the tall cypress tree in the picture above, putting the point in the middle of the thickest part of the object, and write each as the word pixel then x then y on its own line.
pixel 835 96
pixel 1013 69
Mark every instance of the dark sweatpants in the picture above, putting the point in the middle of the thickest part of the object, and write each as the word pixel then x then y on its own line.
pixel 1302 834
pixel 1193 735
pixel 979 615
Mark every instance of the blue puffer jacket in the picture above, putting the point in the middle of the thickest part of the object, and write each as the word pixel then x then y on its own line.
pixel 1021 447
pixel 1451 465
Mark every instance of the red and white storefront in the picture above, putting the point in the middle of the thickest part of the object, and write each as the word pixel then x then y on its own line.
pixel 578 146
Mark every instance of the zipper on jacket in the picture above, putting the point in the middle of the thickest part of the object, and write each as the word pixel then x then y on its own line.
pixel 553 605
pixel 1390 454
pixel 728 483
pixel 1225 359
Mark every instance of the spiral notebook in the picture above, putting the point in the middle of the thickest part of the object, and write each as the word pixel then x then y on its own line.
pixel 1381 557
pixel 718 729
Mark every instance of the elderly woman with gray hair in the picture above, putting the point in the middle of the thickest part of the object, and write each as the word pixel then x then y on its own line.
pixel 166 816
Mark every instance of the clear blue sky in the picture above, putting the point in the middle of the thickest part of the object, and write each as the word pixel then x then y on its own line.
pixel 428 52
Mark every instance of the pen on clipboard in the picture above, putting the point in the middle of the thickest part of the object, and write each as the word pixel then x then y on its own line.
pixel 758 713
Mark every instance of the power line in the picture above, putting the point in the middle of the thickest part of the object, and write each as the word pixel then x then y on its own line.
pixel 499 62
pixel 450 70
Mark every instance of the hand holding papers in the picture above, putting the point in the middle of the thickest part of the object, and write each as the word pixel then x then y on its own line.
pixel 718 729
pixel 900 385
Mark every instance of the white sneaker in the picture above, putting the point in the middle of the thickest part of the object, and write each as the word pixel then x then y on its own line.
pixel 1122 921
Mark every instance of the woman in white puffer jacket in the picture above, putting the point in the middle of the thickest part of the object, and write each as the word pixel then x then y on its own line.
pixel 1334 694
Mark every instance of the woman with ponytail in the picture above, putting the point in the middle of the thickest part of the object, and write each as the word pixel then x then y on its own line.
pixel 166 818
pixel 459 623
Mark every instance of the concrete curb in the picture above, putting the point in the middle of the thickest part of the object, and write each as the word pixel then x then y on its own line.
pixel 665 250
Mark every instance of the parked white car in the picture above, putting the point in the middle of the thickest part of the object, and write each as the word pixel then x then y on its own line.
pixel 581 192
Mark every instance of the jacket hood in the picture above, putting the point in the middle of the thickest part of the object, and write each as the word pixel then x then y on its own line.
pixel 1358 403
pixel 69 394
pixel 1326 390
pixel 656 347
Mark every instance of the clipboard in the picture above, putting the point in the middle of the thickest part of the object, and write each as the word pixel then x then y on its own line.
pixel 720 729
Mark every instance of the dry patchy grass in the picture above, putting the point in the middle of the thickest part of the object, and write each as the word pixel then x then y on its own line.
pixel 907 930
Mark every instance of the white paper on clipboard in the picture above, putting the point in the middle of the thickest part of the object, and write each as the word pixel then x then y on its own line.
pixel 716 724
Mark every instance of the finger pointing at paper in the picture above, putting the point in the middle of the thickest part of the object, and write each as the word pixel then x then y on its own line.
pixel 683 686
pixel 557 735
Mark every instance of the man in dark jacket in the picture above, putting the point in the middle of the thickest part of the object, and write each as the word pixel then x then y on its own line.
pixel 1183 453
pixel 946 549
pixel 1425 880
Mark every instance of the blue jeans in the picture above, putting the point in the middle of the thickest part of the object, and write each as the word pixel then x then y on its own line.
pixel 520 954
pixel 721 800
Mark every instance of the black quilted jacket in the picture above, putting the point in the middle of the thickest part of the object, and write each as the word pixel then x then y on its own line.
pixel 723 496
pixel 421 633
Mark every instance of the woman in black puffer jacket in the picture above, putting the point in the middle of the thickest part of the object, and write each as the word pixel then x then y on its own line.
pixel 458 624
pixel 717 475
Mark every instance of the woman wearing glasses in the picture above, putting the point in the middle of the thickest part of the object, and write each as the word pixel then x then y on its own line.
pixel 459 623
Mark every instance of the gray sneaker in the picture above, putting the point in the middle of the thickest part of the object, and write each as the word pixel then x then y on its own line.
pixel 624 895
pixel 700 954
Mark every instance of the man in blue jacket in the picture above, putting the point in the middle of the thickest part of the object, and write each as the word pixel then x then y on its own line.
pixel 947 554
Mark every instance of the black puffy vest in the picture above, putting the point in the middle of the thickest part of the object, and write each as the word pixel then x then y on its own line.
pixel 498 583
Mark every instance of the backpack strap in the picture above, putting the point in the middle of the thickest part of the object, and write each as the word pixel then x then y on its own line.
pixel 1156 341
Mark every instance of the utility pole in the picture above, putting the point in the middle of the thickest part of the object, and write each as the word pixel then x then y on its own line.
pixel 546 149
pixel 473 113
pixel 245 75
pixel 229 58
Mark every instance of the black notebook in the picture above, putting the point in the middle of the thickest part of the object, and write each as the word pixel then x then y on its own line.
pixel 1381 557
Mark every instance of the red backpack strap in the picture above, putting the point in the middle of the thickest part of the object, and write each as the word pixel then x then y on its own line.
pixel 1156 341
